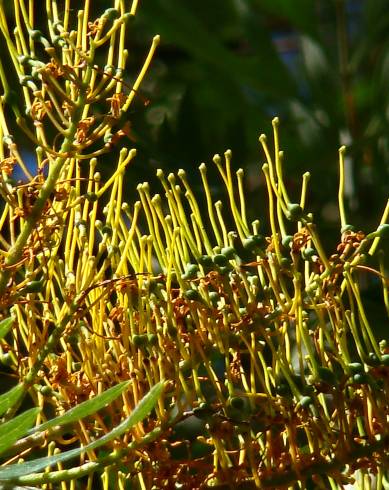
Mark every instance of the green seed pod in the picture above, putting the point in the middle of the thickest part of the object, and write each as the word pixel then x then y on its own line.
pixel 6 359
pixel 326 375
pixel 237 402
pixel 372 359
pixel 385 359
pixel 287 241
pixel 220 260
pixel 192 295
pixel 111 14
pixel 283 389
pixel 106 230
pixel 139 340
pixel 360 378
pixel 285 263
pixel 295 212
pixel 152 338
pixel 307 253
pixel 33 287
pixel 59 41
pixel 91 196
pixel 229 252
pixel 214 297
pixel 306 401
pixel 224 270
pixel 254 242
pixel 355 367
pixel 190 272
pixel 205 260
pixel 46 390
pixel 127 17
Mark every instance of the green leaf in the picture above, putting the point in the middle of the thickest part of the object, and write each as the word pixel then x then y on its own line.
pixel 12 430
pixel 85 408
pixel 5 326
pixel 142 410
pixel 8 399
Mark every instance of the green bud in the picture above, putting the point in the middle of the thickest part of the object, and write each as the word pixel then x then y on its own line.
pixel 190 272
pixel 238 402
pixel 254 242
pixel 91 196
pixel 385 359
pixel 287 241
pixel 229 252
pixel 106 230
pixel 308 252
pixel 295 212
pixel 214 297
pixel 152 338
pixel 372 359
pixel 33 287
pixel 220 260
pixel 205 260
pixel 356 368
pixel 326 375
pixel 111 14
pixel 6 359
pixel 306 401
pixel 46 390
pixel 360 378
pixel 224 270
pixel 283 389
pixel 192 295
pixel 139 340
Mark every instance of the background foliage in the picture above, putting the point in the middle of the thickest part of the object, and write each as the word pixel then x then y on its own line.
pixel 225 67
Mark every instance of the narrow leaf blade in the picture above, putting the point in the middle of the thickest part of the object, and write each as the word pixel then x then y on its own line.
pixel 12 430
pixel 9 398
pixel 141 411
pixel 5 326
pixel 85 408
